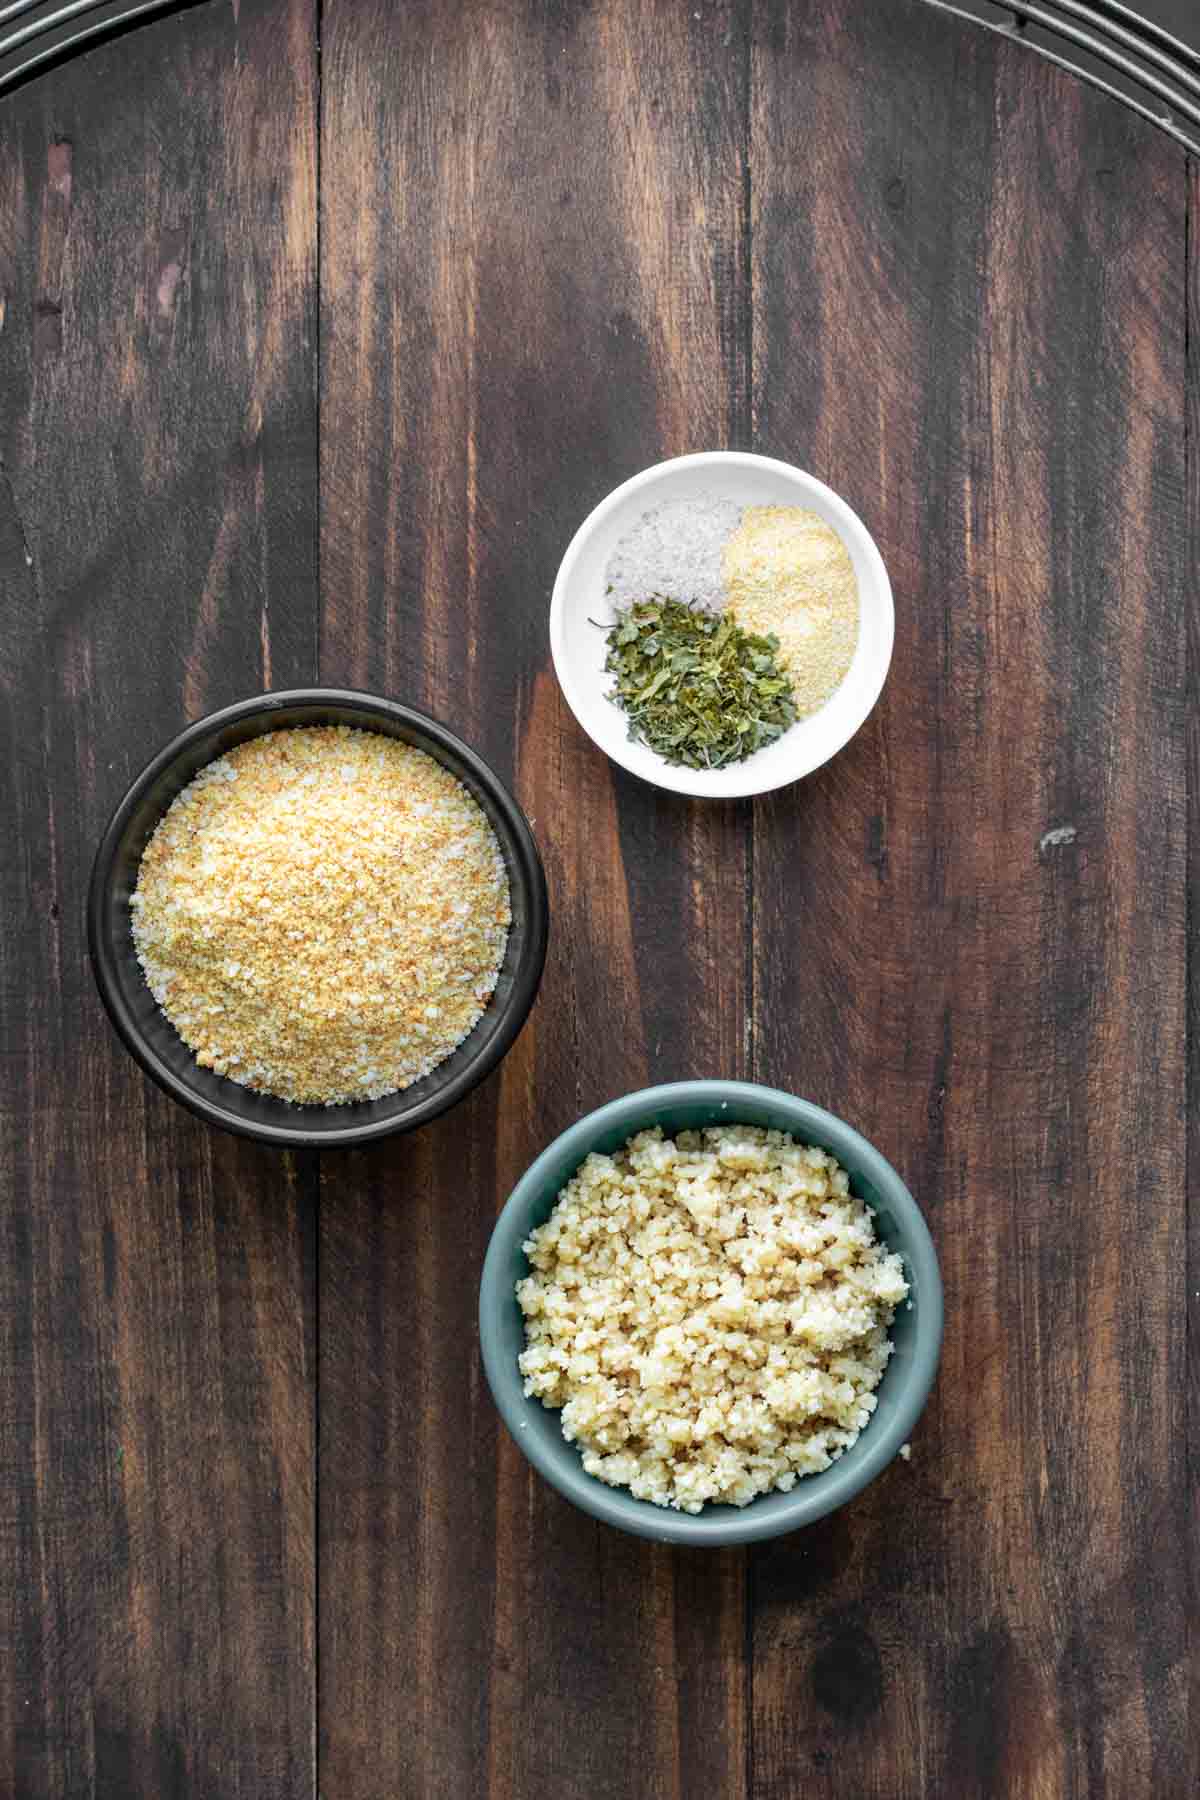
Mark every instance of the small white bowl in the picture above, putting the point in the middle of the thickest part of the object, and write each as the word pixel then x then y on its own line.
pixel 579 648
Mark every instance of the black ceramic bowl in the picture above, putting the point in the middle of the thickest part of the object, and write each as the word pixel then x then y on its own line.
pixel 159 1048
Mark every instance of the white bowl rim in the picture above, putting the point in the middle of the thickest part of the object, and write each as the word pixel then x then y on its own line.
pixel 698 782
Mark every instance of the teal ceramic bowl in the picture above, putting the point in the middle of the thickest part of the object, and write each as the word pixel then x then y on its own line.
pixel 916 1332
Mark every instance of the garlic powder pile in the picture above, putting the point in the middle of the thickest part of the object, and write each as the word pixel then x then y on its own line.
pixel 788 574
pixel 322 914
pixel 710 1313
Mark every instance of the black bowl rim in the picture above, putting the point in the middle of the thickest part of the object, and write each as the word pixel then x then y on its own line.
pixel 526 980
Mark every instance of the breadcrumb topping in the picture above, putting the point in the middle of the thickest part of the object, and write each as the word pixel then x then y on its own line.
pixel 710 1313
pixel 322 914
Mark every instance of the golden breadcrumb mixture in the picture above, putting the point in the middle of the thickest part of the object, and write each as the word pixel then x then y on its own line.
pixel 322 914
pixel 710 1312
pixel 787 572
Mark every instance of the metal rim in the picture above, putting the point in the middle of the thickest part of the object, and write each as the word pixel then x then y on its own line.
pixel 1164 70
pixel 38 34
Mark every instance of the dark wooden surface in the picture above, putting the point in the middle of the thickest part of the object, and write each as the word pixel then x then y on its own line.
pixel 157 558
pixel 309 367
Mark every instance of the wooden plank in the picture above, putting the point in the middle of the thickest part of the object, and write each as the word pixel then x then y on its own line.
pixel 532 287
pixel 1192 608
pixel 969 318
pixel 157 558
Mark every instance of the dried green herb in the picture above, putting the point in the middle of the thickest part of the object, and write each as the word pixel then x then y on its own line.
pixel 697 688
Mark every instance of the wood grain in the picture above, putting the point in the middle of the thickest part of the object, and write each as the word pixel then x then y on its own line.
pixel 556 242
pixel 157 557
pixel 1190 1584
pixel 531 286
pixel 969 317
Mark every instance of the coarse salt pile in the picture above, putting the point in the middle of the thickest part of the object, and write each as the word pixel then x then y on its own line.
pixel 674 551
pixel 322 914
pixel 710 1313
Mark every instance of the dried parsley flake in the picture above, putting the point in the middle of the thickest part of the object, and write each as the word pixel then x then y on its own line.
pixel 696 688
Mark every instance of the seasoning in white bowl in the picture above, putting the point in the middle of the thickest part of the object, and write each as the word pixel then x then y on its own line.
pixel 785 582
pixel 322 914
pixel 694 686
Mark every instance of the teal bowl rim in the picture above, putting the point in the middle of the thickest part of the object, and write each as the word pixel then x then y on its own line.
pixel 770 1515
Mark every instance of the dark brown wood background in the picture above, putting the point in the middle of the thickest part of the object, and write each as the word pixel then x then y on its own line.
pixel 321 327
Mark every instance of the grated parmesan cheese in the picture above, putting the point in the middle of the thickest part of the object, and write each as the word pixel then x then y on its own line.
pixel 710 1313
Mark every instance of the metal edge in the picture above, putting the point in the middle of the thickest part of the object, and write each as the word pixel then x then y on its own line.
pixel 35 34
pixel 38 33
pixel 1187 134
